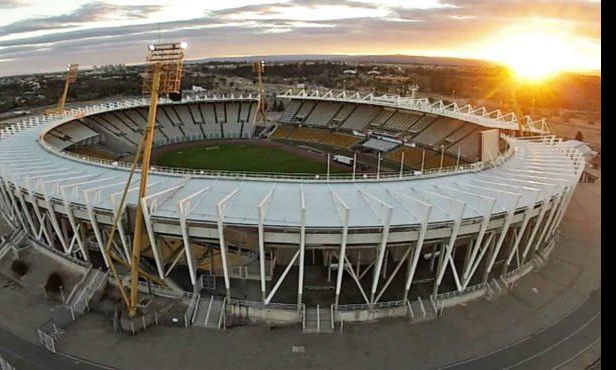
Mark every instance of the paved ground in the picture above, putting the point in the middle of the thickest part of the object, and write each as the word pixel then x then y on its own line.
pixel 551 318
pixel 550 348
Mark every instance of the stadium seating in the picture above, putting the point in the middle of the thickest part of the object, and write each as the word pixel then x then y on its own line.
pixel 308 134
pixel 282 132
pixel 208 114
pixel 94 152
pixel 221 114
pixel 304 111
pixel 437 131
pixel 246 111
pixel 469 147
pixel 340 140
pixel 380 145
pixel 343 114
pixel 422 123
pixel 412 156
pixel 72 133
pixel 361 117
pixel 289 113
pixel 121 130
pixel 233 112
pixel 428 130
pixel 402 121
pixel 322 114
pixel 464 130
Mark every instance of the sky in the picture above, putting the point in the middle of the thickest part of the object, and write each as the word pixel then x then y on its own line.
pixel 45 35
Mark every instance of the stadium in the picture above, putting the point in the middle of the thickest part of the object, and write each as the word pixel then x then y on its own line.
pixel 345 207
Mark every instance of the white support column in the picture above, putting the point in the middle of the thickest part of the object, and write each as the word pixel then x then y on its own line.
pixel 518 236
pixel 484 205
pixel 344 212
pixel 261 209
pixel 22 202
pixel 423 221
pixel 52 216
pixel 91 197
pixel 501 239
pixel 354 164
pixel 14 209
pixel 538 219
pixel 328 164
pixel 220 215
pixel 150 204
pixel 73 222
pixel 302 248
pixel 386 219
pixel 41 220
pixel 184 209
pixel 455 209
pixel 281 278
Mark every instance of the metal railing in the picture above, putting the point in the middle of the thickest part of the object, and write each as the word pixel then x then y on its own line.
pixel 261 305
pixel 367 307
pixel 49 333
pixel 163 292
pixel 5 365
pixel 39 244
pixel 140 323
pixel 243 175
pixel 478 115
pixel 277 176
pixel 456 293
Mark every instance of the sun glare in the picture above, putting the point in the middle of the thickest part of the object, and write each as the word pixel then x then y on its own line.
pixel 535 54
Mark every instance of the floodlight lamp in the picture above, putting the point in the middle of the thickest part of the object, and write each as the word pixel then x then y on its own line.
pixel 151 47
pixel 183 45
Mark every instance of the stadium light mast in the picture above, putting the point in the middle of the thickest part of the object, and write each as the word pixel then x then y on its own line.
pixel 259 68
pixel 163 75
pixel 71 76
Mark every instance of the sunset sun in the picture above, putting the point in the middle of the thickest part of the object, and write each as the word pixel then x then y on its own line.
pixel 534 53
pixel 536 56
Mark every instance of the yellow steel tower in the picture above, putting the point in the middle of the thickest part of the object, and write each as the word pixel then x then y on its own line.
pixel 71 76
pixel 259 68
pixel 163 75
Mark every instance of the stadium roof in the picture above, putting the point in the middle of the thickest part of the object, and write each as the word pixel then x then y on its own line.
pixel 534 172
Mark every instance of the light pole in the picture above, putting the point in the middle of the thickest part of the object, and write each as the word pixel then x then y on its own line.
pixel 163 75
pixel 71 76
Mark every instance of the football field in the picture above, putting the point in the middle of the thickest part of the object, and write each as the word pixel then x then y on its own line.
pixel 246 157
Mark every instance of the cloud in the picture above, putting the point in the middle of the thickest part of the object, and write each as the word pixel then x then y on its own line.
pixel 87 13
pixel 6 4
pixel 291 27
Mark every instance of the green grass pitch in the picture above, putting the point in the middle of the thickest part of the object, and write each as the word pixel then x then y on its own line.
pixel 244 157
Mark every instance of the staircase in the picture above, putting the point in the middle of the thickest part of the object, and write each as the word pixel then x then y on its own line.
pixel 495 289
pixel 421 310
pixel 210 313
pixel 56 333
pixel 81 295
pixel 318 320
pixel 12 241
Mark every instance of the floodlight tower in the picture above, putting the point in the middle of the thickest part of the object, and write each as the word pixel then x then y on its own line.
pixel 163 75
pixel 259 68
pixel 71 76
pixel 414 88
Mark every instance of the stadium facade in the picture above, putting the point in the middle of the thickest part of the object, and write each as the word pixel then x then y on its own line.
pixel 368 245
